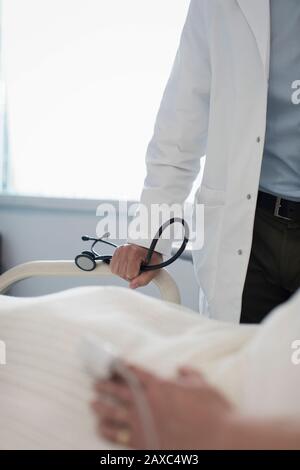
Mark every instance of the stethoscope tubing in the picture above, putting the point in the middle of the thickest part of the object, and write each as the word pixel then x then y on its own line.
pixel 145 266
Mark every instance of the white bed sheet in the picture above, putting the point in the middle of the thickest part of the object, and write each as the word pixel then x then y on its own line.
pixel 45 392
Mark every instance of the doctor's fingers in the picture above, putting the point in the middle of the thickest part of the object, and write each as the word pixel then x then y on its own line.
pixel 115 261
pixel 127 261
pixel 143 279
pixel 131 264
pixel 118 264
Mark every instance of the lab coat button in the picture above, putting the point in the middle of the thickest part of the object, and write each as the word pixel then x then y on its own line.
pixel 258 140
pixel 249 196
pixel 240 252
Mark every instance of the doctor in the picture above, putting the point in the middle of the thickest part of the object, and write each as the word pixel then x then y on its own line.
pixel 233 96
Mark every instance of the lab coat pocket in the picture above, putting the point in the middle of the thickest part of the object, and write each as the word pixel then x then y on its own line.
pixel 206 259
pixel 209 196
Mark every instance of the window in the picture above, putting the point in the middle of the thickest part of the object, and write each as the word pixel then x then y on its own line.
pixel 83 82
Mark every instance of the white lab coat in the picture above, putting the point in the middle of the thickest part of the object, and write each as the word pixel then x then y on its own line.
pixel 215 104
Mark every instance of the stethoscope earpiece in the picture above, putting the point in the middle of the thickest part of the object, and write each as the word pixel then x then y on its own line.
pixel 84 238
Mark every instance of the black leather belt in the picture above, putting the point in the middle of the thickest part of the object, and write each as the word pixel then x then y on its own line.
pixel 279 207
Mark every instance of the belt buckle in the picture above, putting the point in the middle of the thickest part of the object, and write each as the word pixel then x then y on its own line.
pixel 277 209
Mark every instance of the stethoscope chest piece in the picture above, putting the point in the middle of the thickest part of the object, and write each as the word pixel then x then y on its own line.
pixel 86 261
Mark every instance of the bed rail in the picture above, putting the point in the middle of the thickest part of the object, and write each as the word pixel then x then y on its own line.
pixel 164 281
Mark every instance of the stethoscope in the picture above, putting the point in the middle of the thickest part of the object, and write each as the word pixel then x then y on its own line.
pixel 86 261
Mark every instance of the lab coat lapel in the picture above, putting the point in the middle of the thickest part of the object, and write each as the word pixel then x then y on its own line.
pixel 257 14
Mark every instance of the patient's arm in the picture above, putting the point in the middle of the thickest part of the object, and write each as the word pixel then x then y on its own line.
pixel 259 434
pixel 188 414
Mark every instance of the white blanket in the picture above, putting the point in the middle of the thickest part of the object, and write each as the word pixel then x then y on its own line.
pixel 45 392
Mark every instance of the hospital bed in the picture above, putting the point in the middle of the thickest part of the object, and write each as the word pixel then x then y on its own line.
pixel 45 391
pixel 165 283
pixel 43 366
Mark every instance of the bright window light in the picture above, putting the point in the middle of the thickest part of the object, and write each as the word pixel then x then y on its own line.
pixel 84 79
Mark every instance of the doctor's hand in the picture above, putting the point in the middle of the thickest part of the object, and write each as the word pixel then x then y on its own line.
pixel 127 261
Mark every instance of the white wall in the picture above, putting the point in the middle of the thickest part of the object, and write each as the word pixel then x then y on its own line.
pixel 41 233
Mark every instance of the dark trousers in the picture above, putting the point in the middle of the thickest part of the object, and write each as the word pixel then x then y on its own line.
pixel 274 267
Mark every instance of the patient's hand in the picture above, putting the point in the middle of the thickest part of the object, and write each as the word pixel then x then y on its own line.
pixel 188 413
pixel 127 261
